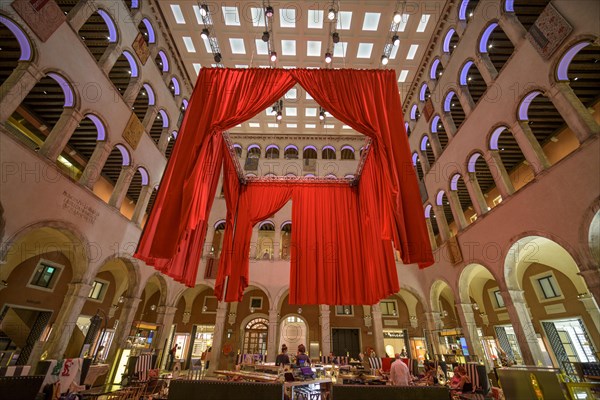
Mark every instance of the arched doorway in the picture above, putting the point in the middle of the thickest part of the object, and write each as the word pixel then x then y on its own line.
pixel 293 332
pixel 256 333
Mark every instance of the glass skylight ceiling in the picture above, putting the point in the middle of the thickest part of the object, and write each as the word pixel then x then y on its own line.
pixel 300 34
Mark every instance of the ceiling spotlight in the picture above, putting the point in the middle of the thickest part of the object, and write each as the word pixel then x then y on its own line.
pixel 204 33
pixel 265 36
pixel 384 59
pixel 203 10
pixel 396 40
pixel 218 57
pixel 331 14
pixel 397 17
pixel 336 37
pixel 279 116
pixel 269 12
pixel 322 115
pixel 274 110
pixel 273 56
pixel 327 58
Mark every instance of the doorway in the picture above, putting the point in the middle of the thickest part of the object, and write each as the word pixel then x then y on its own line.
pixel 346 342
pixel 293 332
pixel 508 343
pixel 570 342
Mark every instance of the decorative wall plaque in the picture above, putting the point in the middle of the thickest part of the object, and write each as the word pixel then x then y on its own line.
pixel 454 251
pixel 141 48
pixel 428 109
pixel 133 131
pixel 549 31
pixel 79 208
pixel 42 16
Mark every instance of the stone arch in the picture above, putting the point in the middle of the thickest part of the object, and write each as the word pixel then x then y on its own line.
pixel 25 44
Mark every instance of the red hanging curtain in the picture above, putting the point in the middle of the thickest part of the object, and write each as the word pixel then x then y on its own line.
pixel 368 101
pixel 174 234
pixel 257 201
pixel 326 258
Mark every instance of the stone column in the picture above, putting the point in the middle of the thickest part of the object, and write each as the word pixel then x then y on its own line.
pixel 142 204
pixel 163 141
pixel 121 187
pixel 128 310
pixel 530 147
pixel 501 178
pixel 254 244
pixel 486 68
pixel 520 318
pixel 325 324
pixel 377 330
pixel 477 198
pixel 92 170
pixel 424 162
pixel 442 223
pixel 431 234
pixel 512 28
pixel 434 325
pixel 457 211
pixel 164 317
pixel 449 125
pixel 575 114
pixel 465 99
pixel 592 308
pixel 61 133
pixel 134 87
pixel 110 57
pixel 79 14
pixel 150 117
pixel 77 294
pixel 272 335
pixel 435 145
pixel 591 276
pixel 215 355
pixel 277 244
pixel 469 329
pixel 16 87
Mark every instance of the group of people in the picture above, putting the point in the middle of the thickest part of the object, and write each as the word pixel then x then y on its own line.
pixel 400 376
pixel 302 359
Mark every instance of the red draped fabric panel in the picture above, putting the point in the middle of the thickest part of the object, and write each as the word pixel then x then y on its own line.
pixel 174 234
pixel 326 257
pixel 231 190
pixel 257 201
pixel 369 102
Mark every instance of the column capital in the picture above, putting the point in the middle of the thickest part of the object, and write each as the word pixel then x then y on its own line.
pixel 79 289
pixel 166 310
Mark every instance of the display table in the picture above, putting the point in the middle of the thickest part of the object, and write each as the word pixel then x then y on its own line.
pixel 247 376
pixel 314 388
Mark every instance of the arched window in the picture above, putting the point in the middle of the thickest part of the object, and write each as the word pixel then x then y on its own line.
pixel 347 153
pixel 328 153
pixel 253 151
pixel 310 152
pixel 453 106
pixel 238 150
pixel 117 159
pixel 255 336
pixel 427 151
pixel 450 41
pixel 442 201
pixel 580 66
pixel 432 226
pixel 140 179
pixel 496 44
pixel 548 126
pixel 457 185
pixel 144 99
pixel 466 9
pixel 484 179
pixel 81 144
pixel 122 71
pixel 518 169
pixel 438 128
pixel 472 79
pixel 97 32
pixel 172 138
pixel 424 93
pixel 436 70
pixel 290 152
pixel 286 238
pixel 414 113
pixel 145 27
pixel 15 47
pixel 418 167
pixel 217 242
pixel 272 151
pixel 162 61
pixel 174 87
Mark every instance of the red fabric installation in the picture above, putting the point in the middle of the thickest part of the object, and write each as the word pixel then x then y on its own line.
pixel 388 202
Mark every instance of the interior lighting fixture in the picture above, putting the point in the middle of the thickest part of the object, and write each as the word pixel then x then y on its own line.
pixel 322 115
pixel 205 33
pixel 273 56
pixel 384 59
pixel 336 37
pixel 327 58
pixel 203 10
pixel 396 40
pixel 331 14
pixel 397 17
pixel 218 57
pixel 269 12
pixel 265 36
pixel 279 116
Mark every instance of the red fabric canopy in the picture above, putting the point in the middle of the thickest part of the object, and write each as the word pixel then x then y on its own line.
pixel 387 200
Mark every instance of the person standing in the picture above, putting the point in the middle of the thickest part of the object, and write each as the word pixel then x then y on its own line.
pixel 399 373
pixel 283 359
pixel 302 359
pixel 207 359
